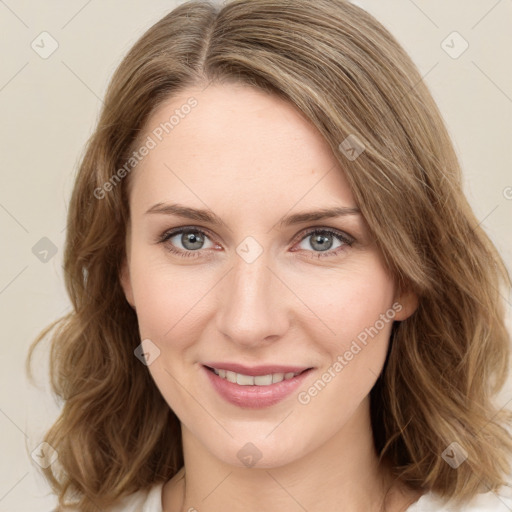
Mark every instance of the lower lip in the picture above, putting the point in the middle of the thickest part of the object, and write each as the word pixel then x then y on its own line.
pixel 255 397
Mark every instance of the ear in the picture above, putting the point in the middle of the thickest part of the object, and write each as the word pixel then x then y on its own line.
pixel 126 283
pixel 405 304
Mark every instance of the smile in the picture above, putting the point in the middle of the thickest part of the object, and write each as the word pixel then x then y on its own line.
pixel 255 391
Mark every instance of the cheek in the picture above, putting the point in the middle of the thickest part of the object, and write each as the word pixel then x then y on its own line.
pixel 170 314
pixel 359 310
pixel 346 302
pixel 168 299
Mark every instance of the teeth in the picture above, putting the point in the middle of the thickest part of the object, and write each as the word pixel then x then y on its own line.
pixel 277 377
pixel 249 380
pixel 244 380
pixel 263 380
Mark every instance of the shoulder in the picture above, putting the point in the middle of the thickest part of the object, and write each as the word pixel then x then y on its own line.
pixel 147 500
pixel 500 501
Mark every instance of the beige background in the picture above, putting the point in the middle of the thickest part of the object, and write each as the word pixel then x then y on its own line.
pixel 49 107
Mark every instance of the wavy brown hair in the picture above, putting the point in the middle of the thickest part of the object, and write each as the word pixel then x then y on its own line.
pixel 348 75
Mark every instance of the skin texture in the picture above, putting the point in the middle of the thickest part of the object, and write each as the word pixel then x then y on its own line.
pixel 252 159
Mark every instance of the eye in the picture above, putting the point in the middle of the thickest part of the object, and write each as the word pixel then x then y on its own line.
pixel 191 239
pixel 321 240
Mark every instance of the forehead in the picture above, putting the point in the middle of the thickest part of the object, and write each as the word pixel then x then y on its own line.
pixel 235 143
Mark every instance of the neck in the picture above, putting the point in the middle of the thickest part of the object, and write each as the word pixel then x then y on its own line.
pixel 343 474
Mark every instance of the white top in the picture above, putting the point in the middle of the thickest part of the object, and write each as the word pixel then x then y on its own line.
pixel 486 502
pixel 151 501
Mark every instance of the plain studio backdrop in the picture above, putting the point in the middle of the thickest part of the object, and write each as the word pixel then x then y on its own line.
pixel 57 59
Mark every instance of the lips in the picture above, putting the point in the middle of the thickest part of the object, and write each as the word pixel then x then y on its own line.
pixel 239 391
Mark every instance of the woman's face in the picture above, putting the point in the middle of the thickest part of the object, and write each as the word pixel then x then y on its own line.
pixel 253 287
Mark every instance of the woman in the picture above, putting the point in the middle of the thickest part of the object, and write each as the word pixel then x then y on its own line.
pixel 282 298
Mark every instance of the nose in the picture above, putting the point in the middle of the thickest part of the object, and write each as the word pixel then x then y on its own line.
pixel 252 304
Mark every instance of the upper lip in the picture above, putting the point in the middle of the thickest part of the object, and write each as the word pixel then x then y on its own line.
pixel 256 370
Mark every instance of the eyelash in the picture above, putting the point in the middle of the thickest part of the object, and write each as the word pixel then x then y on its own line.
pixel 344 238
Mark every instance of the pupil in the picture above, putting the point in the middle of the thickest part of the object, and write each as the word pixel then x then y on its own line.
pixel 323 242
pixel 191 238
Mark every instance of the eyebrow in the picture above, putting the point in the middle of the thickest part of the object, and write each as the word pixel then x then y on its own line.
pixel 210 217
